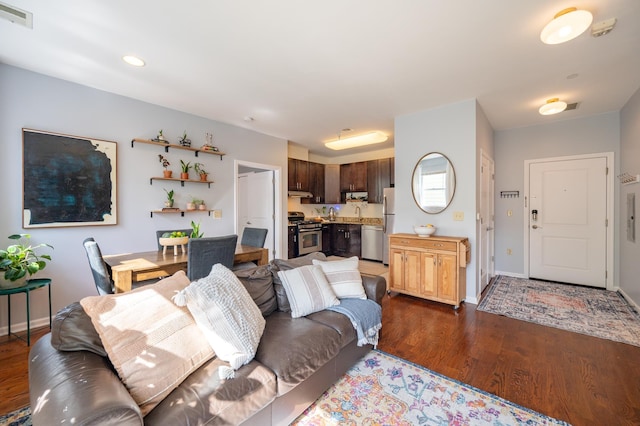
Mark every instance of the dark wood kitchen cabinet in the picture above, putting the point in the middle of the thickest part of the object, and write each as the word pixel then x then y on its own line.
pixel 378 178
pixel 326 239
pixel 298 174
pixel 316 184
pixel 353 177
pixel 346 240
pixel 293 242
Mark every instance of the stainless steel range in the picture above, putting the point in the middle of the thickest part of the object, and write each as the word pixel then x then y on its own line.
pixel 309 233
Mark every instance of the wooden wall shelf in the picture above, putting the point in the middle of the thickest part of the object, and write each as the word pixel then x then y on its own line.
pixel 181 212
pixel 166 147
pixel 182 181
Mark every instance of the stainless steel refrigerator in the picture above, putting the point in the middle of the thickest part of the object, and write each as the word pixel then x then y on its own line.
pixel 388 218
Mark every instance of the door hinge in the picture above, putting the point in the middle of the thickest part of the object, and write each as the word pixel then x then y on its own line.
pixel 493 258
pixel 606 274
pixel 606 170
pixel 493 177
pixel 606 223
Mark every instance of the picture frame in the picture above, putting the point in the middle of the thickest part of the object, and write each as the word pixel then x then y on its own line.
pixel 68 180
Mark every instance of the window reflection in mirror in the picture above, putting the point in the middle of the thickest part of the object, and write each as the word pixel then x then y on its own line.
pixel 434 183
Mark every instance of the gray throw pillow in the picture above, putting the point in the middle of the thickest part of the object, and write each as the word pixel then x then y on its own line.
pixel 259 283
pixel 284 265
pixel 72 330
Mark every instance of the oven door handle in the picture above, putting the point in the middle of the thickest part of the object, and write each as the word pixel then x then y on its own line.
pixel 309 230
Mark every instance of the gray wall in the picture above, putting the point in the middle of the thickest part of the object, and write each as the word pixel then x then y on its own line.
pixel 594 134
pixel 630 163
pixel 39 102
pixel 451 130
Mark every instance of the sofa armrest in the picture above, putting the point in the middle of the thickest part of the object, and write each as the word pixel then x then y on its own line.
pixel 374 287
pixel 76 387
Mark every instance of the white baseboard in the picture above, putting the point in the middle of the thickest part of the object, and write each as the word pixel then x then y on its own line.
pixel 511 274
pixel 629 299
pixel 22 326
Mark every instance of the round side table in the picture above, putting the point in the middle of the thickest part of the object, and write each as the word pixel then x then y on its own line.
pixel 32 284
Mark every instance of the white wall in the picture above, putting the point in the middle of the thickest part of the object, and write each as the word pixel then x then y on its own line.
pixel 630 163
pixel 450 130
pixel 35 101
pixel 599 133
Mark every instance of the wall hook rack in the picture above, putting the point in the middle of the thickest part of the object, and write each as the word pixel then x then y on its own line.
pixel 628 179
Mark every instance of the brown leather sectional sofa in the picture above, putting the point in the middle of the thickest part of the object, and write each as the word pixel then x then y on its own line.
pixel 72 381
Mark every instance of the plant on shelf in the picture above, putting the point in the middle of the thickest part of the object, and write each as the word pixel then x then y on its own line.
pixel 195 230
pixel 170 200
pixel 165 163
pixel 160 137
pixel 194 203
pixel 18 260
pixel 184 141
pixel 199 169
pixel 185 169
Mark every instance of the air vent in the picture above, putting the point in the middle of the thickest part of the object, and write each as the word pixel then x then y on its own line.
pixel 571 106
pixel 17 16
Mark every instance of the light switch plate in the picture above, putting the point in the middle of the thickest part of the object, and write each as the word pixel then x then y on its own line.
pixel 217 214
pixel 458 215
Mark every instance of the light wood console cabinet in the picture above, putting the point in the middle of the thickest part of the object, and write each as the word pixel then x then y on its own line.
pixel 429 267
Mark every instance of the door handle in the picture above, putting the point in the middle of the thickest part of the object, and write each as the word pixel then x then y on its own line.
pixel 536 227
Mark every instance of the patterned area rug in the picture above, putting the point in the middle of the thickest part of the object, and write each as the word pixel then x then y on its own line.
pixel 382 389
pixel 21 417
pixel 591 311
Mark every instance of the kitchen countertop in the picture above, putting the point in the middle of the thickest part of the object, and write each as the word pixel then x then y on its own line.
pixel 354 220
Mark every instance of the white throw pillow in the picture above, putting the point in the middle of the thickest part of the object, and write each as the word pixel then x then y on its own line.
pixel 344 277
pixel 226 314
pixel 307 290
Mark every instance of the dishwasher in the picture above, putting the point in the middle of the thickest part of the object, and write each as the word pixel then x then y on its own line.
pixel 372 242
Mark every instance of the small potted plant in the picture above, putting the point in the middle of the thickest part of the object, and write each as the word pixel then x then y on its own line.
pixel 185 169
pixel 170 200
pixel 18 260
pixel 199 168
pixel 160 137
pixel 165 163
pixel 193 204
pixel 202 205
pixel 195 230
pixel 184 141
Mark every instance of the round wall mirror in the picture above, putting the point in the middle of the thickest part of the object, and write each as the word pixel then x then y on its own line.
pixel 434 183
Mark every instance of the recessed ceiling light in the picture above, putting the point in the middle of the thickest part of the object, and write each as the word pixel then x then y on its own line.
pixel 553 106
pixel 133 60
pixel 566 25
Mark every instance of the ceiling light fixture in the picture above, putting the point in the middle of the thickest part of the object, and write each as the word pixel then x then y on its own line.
pixel 566 25
pixel 356 141
pixel 553 106
pixel 133 60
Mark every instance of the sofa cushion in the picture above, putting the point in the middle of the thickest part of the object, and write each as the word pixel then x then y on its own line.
pixel 226 314
pixel 204 398
pixel 152 343
pixel 259 283
pixel 72 330
pixel 294 348
pixel 307 290
pixel 338 322
pixel 285 265
pixel 344 277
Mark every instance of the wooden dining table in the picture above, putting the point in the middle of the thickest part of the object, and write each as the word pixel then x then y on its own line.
pixel 129 268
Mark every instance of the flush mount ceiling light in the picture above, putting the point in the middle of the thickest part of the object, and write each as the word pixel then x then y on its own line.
pixel 356 141
pixel 566 25
pixel 553 106
pixel 133 60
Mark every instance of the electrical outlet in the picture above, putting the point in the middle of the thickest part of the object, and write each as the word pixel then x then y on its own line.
pixel 458 215
pixel 509 252
pixel 217 214
pixel 509 212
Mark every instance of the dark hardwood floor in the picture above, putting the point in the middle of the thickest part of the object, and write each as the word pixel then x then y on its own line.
pixel 579 379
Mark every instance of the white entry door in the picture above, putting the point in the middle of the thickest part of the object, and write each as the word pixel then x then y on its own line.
pixel 256 204
pixel 486 242
pixel 567 220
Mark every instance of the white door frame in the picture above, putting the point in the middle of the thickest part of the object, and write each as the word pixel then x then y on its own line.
pixel 611 219
pixel 491 224
pixel 277 202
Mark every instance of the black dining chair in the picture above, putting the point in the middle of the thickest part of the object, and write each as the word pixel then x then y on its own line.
pixel 159 234
pixel 100 270
pixel 203 253
pixel 254 237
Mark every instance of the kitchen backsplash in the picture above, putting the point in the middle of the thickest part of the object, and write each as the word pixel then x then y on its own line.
pixel 342 210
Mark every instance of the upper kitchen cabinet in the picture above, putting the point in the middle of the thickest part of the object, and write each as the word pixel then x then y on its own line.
pixel 353 177
pixel 378 177
pixel 332 183
pixel 298 175
pixel 316 184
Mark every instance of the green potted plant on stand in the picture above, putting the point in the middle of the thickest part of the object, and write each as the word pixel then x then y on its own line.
pixel 19 260
pixel 185 169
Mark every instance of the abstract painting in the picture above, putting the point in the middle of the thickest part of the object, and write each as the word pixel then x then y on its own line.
pixel 68 180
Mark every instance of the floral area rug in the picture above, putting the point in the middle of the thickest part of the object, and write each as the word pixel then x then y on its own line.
pixel 21 417
pixel 382 389
pixel 591 311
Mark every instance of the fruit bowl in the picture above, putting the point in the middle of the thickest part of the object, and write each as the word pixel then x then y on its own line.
pixel 424 230
pixel 175 242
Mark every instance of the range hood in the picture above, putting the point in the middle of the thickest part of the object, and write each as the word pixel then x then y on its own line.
pixel 300 194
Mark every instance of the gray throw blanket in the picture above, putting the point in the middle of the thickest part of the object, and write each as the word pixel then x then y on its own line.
pixel 366 317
